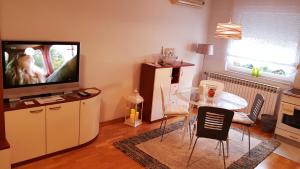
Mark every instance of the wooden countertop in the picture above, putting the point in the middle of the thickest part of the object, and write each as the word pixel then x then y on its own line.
pixel 8 106
pixel 292 92
pixel 175 65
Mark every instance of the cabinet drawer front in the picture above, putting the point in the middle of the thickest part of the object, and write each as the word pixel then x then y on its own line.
pixel 290 99
pixel 25 131
pixel 287 134
pixel 162 78
pixel 62 126
pixel 174 89
pixel 186 77
pixel 89 119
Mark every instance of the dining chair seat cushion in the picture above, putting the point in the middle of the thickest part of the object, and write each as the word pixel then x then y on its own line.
pixel 242 118
pixel 176 110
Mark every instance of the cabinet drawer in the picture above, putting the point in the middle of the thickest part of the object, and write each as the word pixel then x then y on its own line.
pixel 25 132
pixel 62 126
pixel 89 119
pixel 290 99
pixel 287 134
pixel 174 88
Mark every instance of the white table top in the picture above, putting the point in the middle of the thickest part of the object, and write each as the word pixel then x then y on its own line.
pixel 222 100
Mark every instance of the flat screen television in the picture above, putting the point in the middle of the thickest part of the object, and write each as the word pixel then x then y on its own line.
pixel 39 67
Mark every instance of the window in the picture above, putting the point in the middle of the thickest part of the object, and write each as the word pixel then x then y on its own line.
pixel 39 60
pixel 60 54
pixel 270 40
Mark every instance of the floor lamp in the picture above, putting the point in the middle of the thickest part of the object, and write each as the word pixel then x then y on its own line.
pixel 205 49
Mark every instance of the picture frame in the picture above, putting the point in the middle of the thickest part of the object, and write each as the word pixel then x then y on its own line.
pixel 195 3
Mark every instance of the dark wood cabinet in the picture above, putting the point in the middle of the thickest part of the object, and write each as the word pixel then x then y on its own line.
pixel 171 77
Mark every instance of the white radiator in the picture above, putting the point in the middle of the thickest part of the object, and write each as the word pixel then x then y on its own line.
pixel 247 90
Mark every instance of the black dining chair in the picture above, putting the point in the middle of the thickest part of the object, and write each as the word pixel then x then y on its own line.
pixel 213 123
pixel 249 120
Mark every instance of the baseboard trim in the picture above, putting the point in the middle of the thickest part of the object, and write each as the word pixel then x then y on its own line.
pixel 114 121
pixel 15 165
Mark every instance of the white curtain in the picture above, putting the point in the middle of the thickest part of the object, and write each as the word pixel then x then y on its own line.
pixel 270 38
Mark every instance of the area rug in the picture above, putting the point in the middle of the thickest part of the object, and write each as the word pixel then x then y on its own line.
pixel 172 153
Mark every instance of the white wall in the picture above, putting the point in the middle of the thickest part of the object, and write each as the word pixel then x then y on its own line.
pixel 221 12
pixel 116 37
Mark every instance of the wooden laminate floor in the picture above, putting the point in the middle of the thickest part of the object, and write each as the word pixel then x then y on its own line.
pixel 101 154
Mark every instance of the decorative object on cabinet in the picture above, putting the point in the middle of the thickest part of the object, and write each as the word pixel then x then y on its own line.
pixel 196 3
pixel 134 115
pixel 172 77
pixel 168 56
pixel 228 31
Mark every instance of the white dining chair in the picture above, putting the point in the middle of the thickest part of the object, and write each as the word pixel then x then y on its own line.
pixel 172 110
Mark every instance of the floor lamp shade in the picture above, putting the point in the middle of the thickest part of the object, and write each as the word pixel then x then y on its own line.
pixel 228 31
pixel 206 49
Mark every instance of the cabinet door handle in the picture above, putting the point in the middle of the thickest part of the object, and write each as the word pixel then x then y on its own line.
pixel 55 108
pixel 36 111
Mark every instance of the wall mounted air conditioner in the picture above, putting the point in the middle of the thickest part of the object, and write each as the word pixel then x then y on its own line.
pixel 198 3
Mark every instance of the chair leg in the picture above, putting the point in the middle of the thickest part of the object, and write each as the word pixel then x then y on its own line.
pixel 222 144
pixel 227 147
pixel 243 132
pixel 192 152
pixel 193 133
pixel 249 139
pixel 190 130
pixel 164 129
pixel 217 145
pixel 162 122
pixel 220 147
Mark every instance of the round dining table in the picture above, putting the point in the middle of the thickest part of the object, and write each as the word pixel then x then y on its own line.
pixel 221 99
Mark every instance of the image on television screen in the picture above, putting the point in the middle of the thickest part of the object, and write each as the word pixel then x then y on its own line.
pixel 35 64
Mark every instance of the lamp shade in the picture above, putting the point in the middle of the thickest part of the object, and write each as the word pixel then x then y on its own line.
pixel 229 31
pixel 206 49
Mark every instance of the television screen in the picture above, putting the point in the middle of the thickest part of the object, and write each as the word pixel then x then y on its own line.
pixel 39 63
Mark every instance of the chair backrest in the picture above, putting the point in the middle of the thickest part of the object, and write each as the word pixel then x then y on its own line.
pixel 209 83
pixel 162 98
pixel 256 107
pixel 214 122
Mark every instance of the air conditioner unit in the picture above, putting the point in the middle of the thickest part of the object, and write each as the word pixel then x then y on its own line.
pixel 198 3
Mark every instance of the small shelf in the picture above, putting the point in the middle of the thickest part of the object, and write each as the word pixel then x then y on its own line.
pixel 175 75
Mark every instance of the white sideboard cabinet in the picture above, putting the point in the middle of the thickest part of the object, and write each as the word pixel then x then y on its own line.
pixel 37 130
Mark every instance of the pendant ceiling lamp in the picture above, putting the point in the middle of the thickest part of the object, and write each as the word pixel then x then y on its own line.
pixel 228 31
